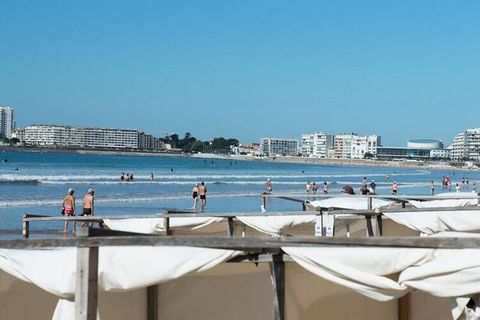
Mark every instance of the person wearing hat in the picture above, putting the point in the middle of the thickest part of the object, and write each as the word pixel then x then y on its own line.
pixel 347 190
pixel 69 208
pixel 268 186
pixel 88 204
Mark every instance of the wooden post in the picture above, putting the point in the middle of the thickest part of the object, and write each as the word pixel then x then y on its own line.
pixel 152 302
pixel 26 227
pixel 230 227
pixel 369 203
pixel 379 225
pixel 369 226
pixel 277 271
pixel 86 282
pixel 404 307
pixel 166 224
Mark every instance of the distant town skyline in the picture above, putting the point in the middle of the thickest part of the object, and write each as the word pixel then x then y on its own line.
pixel 401 70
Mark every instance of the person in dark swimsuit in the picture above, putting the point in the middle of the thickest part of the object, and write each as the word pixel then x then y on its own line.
pixel 195 196
pixel 202 191
pixel 88 205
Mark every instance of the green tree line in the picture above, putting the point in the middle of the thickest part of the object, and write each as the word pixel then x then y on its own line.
pixel 190 144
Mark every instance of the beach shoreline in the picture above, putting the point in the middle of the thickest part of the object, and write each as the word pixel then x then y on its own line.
pixel 428 165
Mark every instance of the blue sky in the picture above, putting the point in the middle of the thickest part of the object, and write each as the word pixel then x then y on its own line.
pixel 245 69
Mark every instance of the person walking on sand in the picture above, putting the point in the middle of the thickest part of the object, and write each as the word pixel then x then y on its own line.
pixel 202 191
pixel 88 206
pixel 69 208
pixel 195 195
pixel 395 187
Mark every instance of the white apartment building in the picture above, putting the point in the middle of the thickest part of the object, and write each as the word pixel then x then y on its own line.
pixel 466 145
pixel 440 153
pixel 316 144
pixel 67 136
pixel 278 147
pixel 7 122
pixel 19 133
pixel 353 146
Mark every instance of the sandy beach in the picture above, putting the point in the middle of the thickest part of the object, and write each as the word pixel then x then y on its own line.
pixel 360 162
pixel 430 165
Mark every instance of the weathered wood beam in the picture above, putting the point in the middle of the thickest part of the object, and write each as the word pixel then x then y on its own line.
pixel 152 302
pixel 26 228
pixel 245 244
pixel 405 307
pixel 86 282
pixel 230 227
pixel 277 271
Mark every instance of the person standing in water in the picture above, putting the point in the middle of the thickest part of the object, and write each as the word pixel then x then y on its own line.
pixel 325 187
pixel 432 187
pixel 202 191
pixel 373 186
pixel 395 187
pixel 151 176
pixel 195 195
pixel 69 208
pixel 88 206
pixel 268 186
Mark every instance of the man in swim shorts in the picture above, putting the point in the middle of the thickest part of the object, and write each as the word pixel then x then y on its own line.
pixel 88 205
pixel 202 191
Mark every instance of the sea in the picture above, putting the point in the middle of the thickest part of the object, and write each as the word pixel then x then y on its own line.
pixel 35 182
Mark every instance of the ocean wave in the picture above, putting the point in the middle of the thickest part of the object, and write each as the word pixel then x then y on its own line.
pixel 176 177
pixel 33 181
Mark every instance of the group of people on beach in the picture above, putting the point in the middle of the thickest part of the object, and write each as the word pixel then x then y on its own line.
pixel 68 206
pixel 199 190
pixel 463 185
pixel 313 187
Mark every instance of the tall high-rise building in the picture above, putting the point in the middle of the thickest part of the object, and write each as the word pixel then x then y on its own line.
pixel 7 122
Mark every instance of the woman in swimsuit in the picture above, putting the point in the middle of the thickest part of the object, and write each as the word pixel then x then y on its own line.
pixel 195 196
pixel 69 208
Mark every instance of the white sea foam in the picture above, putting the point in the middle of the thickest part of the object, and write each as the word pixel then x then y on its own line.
pixel 42 178
pixel 50 202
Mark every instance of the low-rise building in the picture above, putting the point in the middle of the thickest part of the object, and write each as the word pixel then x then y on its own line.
pixel 19 134
pixel 247 149
pixel 278 147
pixel 79 137
pixel 440 154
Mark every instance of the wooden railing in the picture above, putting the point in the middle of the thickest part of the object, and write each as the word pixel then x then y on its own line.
pixel 259 250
